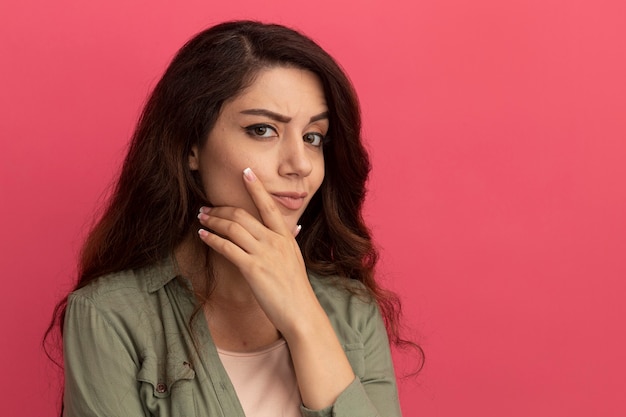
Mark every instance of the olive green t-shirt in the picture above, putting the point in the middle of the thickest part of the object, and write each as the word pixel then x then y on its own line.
pixel 130 351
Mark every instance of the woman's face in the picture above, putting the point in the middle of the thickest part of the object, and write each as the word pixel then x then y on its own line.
pixel 276 127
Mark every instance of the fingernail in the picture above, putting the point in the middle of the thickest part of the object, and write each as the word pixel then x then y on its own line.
pixel 298 228
pixel 205 209
pixel 203 232
pixel 249 174
pixel 202 216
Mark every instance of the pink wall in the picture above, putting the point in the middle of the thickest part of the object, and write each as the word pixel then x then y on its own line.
pixel 498 133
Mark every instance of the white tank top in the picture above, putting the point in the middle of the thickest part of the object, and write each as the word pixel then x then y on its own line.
pixel 264 380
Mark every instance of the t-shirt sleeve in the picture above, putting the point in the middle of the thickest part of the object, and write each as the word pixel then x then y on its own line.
pixel 374 393
pixel 100 373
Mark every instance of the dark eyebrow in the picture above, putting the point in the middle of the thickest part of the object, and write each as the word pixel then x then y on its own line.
pixel 280 117
pixel 268 113
pixel 320 116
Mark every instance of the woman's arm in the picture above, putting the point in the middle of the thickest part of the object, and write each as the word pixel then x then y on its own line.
pixel 374 391
pixel 100 375
pixel 269 258
pixel 321 365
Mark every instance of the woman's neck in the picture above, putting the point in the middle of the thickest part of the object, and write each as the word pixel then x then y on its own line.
pixel 228 287
pixel 234 317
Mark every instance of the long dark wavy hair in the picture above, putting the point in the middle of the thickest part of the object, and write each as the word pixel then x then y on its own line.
pixel 215 66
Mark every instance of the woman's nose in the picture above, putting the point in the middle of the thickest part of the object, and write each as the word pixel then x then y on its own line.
pixel 295 158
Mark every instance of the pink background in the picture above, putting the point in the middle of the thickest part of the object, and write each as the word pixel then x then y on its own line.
pixel 498 198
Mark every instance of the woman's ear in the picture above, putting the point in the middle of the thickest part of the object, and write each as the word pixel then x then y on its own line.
pixel 193 158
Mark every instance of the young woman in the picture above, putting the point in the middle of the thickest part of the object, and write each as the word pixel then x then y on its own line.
pixel 231 273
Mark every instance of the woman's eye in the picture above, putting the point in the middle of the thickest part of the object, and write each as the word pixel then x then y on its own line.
pixel 315 139
pixel 261 131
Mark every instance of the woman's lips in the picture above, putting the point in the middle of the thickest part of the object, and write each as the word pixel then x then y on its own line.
pixel 292 201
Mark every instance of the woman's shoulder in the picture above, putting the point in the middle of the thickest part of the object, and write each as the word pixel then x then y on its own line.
pixel 110 286
pixel 339 287
pixel 344 299
pixel 134 305
pixel 132 286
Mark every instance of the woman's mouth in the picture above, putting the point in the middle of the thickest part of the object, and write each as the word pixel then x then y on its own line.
pixel 292 201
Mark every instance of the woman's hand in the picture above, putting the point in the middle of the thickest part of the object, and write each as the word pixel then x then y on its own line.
pixel 270 260
pixel 266 254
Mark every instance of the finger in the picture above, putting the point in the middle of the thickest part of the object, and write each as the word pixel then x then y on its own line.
pixel 270 214
pixel 229 230
pixel 236 215
pixel 224 247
